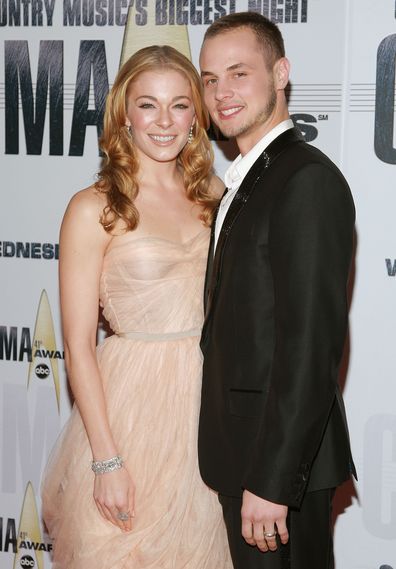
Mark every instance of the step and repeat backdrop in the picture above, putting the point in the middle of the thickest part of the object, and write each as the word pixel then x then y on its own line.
pixel 57 61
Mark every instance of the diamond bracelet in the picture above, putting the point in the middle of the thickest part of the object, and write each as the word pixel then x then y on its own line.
pixel 103 466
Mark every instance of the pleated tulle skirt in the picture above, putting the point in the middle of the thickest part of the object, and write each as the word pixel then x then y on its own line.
pixel 152 392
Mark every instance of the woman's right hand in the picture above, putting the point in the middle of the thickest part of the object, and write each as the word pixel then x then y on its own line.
pixel 114 493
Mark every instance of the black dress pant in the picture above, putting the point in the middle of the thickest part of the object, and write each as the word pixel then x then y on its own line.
pixel 310 543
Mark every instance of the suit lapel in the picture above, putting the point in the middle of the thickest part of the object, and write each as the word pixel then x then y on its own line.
pixel 256 173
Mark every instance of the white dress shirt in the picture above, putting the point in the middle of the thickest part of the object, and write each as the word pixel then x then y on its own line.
pixel 240 167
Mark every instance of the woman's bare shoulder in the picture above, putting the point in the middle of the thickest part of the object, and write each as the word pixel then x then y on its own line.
pixel 87 203
pixel 83 214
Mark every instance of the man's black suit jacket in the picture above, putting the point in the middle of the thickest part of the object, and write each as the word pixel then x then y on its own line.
pixel 272 417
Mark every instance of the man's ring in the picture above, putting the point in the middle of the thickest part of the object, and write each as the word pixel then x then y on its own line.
pixel 269 535
pixel 123 516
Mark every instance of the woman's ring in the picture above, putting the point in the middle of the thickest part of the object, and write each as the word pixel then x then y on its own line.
pixel 123 516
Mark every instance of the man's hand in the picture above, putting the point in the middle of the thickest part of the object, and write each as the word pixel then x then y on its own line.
pixel 260 517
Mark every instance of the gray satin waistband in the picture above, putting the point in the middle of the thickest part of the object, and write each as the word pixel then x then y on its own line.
pixel 147 337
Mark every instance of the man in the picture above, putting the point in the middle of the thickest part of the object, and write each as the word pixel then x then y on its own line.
pixel 273 438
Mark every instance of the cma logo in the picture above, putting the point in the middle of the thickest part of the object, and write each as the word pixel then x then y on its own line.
pixel 29 534
pixel 91 76
pixel 385 101
pixel 43 345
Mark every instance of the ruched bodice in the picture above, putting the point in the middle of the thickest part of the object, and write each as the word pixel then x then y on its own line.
pixel 151 285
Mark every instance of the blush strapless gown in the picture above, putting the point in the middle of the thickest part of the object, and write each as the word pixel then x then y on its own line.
pixel 151 292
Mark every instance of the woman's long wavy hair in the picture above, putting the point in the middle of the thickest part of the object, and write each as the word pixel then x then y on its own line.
pixel 118 175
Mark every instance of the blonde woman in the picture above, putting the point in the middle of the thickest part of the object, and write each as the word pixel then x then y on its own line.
pixel 122 488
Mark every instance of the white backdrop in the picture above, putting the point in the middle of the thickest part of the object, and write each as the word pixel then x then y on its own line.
pixel 57 59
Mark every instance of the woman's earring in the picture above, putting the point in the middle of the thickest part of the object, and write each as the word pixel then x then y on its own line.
pixel 129 129
pixel 190 135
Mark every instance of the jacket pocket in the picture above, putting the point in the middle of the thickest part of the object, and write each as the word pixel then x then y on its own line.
pixel 246 402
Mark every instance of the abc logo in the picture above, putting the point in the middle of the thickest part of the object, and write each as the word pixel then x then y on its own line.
pixel 27 561
pixel 42 371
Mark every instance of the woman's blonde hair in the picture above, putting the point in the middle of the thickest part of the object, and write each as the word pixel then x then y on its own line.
pixel 118 174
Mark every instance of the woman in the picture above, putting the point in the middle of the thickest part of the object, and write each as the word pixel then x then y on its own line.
pixel 136 243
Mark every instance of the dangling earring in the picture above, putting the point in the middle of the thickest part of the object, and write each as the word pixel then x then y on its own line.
pixel 129 129
pixel 190 135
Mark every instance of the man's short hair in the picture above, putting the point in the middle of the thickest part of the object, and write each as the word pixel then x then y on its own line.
pixel 267 33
